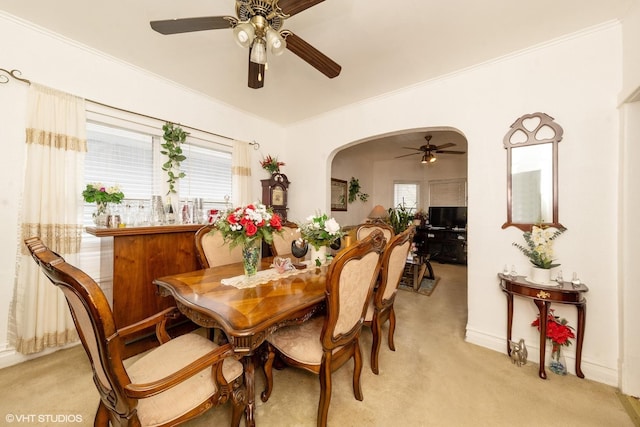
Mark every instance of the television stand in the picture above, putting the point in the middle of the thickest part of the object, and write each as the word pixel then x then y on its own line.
pixel 442 244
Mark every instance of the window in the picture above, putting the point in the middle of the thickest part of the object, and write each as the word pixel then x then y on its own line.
pixel 124 151
pixel 448 192
pixel 405 194
pixel 208 174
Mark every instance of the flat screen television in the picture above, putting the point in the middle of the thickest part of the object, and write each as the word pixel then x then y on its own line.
pixel 448 216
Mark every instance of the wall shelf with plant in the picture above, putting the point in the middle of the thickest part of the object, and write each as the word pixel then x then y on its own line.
pixel 354 191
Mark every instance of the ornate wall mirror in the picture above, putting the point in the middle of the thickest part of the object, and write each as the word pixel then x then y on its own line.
pixel 532 171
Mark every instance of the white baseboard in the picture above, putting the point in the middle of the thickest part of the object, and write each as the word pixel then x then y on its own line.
pixel 9 356
pixel 591 370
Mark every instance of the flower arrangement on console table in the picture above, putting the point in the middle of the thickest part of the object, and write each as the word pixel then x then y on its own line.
pixel 102 195
pixel 249 226
pixel 271 164
pixel 539 250
pixel 559 333
pixel 321 232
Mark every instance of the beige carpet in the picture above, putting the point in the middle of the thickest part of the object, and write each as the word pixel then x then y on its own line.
pixel 433 378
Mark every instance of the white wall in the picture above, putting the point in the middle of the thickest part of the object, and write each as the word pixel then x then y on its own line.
pixel 631 53
pixel 630 251
pixel 576 81
pixel 69 67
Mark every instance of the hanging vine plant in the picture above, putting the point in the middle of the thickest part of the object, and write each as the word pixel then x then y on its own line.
pixel 354 191
pixel 173 136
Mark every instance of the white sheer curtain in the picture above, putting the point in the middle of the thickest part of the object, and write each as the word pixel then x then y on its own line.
pixel 241 173
pixel 52 209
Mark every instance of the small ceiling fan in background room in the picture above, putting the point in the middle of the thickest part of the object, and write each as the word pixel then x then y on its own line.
pixel 258 27
pixel 429 151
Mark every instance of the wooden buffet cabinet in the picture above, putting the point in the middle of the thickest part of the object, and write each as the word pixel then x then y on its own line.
pixel 140 255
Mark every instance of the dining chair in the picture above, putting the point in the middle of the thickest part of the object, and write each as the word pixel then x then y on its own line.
pixel 324 343
pixel 380 308
pixel 176 381
pixel 212 250
pixel 363 230
pixel 281 245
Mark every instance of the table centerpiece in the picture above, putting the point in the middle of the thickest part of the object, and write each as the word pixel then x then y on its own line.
pixel 249 226
pixel 321 232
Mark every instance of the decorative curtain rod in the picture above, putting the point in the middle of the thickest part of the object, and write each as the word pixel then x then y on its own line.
pixel 16 73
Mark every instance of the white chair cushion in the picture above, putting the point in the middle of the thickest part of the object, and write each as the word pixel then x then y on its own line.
pixel 169 358
pixel 300 342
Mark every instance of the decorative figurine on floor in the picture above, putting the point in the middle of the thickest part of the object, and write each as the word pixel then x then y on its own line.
pixel 518 352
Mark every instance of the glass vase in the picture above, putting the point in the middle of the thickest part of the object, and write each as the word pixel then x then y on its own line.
pixel 251 256
pixel 100 214
pixel 557 362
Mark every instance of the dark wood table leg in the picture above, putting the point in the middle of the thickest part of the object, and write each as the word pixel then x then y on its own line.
pixel 509 320
pixel 543 308
pixel 249 381
pixel 582 314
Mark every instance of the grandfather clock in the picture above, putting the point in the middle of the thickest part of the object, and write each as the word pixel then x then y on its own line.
pixel 274 193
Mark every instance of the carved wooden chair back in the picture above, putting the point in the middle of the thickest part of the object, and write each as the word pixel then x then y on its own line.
pixel 281 245
pixel 380 307
pixel 350 279
pixel 363 230
pixel 172 383
pixel 212 250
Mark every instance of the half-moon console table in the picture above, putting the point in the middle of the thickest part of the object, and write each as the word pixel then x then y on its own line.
pixel 140 255
pixel 543 296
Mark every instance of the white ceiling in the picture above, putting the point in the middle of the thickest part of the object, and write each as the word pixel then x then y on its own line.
pixel 381 45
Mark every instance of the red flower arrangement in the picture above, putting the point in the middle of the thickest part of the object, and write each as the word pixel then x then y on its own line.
pixel 244 225
pixel 558 331
pixel 271 164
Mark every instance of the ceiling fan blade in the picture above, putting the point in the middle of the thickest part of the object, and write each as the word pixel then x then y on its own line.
pixel 187 25
pixel 311 55
pixel 291 7
pixel 450 152
pixel 411 148
pixel 256 74
pixel 440 147
pixel 405 155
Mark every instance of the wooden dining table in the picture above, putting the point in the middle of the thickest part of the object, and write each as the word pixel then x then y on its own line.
pixel 247 315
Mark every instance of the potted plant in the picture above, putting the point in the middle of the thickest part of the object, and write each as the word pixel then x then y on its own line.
pixel 173 137
pixel 400 218
pixel 539 250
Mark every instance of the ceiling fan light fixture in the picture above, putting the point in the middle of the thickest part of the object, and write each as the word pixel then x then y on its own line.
pixel 244 33
pixel 258 51
pixel 425 159
pixel 432 158
pixel 276 42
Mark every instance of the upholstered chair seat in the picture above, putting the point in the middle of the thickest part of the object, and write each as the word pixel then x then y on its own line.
pixel 168 359
pixel 325 343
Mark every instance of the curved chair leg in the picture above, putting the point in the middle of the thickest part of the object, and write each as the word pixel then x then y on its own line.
pixel 102 416
pixel 376 330
pixel 268 373
pixel 239 405
pixel 357 370
pixel 325 393
pixel 392 328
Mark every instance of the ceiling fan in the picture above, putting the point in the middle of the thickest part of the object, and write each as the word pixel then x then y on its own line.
pixel 258 27
pixel 429 151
